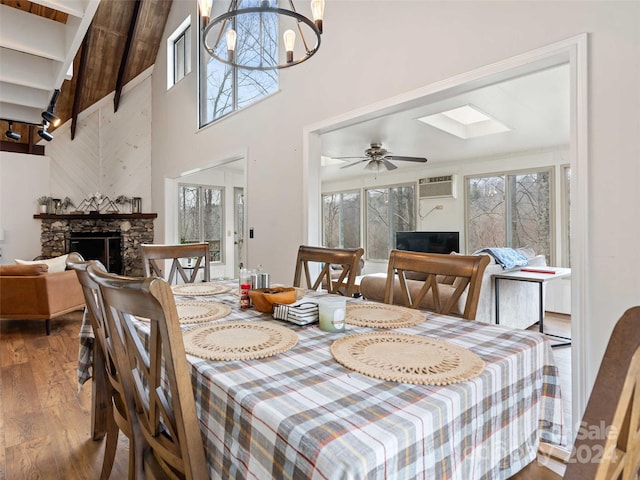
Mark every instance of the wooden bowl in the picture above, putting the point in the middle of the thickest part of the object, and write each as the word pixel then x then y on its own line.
pixel 264 298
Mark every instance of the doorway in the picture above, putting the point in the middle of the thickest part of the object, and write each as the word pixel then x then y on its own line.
pixel 208 204
pixel 572 52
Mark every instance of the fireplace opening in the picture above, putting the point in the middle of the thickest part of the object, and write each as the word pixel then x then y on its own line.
pixel 103 246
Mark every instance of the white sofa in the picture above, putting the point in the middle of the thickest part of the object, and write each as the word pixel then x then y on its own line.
pixel 519 301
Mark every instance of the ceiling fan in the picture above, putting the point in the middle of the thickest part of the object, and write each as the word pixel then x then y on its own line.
pixel 377 157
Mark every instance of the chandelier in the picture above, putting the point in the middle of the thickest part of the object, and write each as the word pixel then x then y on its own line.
pixel 250 33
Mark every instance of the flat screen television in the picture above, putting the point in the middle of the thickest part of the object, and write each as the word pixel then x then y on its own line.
pixel 428 242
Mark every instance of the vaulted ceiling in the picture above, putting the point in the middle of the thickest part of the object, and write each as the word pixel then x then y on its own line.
pixel 108 42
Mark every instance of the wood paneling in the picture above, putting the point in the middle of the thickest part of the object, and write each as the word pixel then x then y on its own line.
pixel 109 32
pixel 36 9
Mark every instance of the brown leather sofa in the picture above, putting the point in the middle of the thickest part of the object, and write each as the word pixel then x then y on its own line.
pixel 30 292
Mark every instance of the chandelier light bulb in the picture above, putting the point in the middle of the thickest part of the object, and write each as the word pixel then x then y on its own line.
pixel 289 41
pixel 205 9
pixel 306 27
pixel 231 37
pixel 317 10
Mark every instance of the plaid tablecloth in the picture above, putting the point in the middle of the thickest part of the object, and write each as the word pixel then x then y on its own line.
pixel 300 414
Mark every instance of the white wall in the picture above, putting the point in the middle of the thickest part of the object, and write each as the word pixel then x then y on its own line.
pixel 23 178
pixel 359 64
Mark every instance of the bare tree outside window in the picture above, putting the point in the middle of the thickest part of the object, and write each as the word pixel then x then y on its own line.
pixel 341 220
pixel 510 210
pixel 223 88
pixel 189 214
pixel 200 217
pixel 389 210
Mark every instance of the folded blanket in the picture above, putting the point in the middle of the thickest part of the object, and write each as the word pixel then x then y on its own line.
pixel 507 257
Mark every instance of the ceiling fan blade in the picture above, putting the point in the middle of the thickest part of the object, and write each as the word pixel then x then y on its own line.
pixel 406 159
pixel 388 164
pixel 347 158
pixel 355 163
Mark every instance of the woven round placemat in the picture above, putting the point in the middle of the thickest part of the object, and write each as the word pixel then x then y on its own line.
pixel 238 340
pixel 202 288
pixel 404 358
pixel 381 315
pixel 198 312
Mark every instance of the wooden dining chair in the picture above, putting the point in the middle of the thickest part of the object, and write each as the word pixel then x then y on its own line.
pixel 108 412
pixel 447 278
pixel 153 254
pixel 155 376
pixel 607 446
pixel 347 258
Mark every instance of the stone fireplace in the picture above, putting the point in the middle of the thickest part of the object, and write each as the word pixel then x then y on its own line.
pixel 113 238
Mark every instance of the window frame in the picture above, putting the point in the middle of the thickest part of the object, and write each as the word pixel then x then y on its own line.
pixel 565 214
pixel 203 59
pixel 365 215
pixel 357 191
pixel 201 187
pixel 550 170
pixel 182 32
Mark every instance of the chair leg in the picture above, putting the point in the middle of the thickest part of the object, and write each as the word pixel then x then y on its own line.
pixel 132 462
pixel 47 326
pixel 110 448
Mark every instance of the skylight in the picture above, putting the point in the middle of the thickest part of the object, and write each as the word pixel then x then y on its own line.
pixel 465 122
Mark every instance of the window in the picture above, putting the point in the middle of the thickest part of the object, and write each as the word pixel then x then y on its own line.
pixel 566 215
pixel 341 220
pixel 225 89
pixel 182 62
pixel 200 217
pixel 179 53
pixel 510 210
pixel 389 210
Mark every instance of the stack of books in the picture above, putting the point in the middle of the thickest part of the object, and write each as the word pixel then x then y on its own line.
pixel 302 313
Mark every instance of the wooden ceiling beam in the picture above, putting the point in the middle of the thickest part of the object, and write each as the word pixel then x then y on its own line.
pixel 77 94
pixel 125 55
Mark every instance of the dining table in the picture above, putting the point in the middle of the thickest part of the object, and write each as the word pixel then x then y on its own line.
pixel 301 414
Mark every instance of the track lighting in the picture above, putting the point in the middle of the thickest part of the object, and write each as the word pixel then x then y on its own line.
pixel 43 132
pixel 51 118
pixel 48 114
pixel 11 134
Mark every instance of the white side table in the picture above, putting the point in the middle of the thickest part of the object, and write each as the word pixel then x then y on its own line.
pixel 538 275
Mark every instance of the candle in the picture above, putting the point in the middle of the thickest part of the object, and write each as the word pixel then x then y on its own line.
pixel 331 311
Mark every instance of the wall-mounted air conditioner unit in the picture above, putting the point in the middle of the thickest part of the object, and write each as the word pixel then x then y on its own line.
pixel 437 187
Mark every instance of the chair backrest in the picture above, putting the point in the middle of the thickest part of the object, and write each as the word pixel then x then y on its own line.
pixel 465 271
pixel 107 385
pixel 607 445
pixel 348 258
pixel 196 253
pixel 156 379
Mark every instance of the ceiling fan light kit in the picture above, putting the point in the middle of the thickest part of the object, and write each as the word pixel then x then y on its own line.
pixel 376 157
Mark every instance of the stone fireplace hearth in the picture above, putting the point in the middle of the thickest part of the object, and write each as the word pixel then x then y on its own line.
pixel 133 229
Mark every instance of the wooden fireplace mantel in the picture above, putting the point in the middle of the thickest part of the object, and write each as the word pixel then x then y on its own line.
pixel 93 216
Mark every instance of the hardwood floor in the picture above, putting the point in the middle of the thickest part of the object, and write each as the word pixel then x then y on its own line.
pixel 44 421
